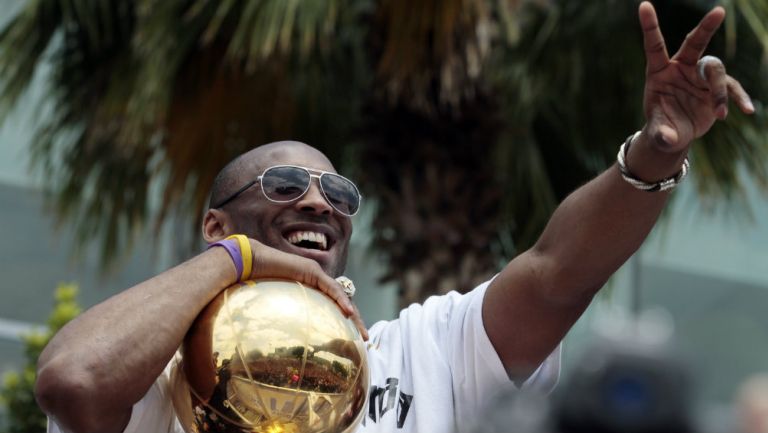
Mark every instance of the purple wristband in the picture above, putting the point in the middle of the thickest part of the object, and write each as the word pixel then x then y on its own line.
pixel 233 248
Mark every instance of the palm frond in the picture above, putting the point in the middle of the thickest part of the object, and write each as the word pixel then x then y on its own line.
pixel 264 28
pixel 22 44
pixel 433 52
pixel 755 16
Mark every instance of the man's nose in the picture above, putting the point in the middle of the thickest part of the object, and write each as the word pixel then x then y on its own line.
pixel 314 201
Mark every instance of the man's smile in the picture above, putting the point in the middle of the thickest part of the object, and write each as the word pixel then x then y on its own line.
pixel 308 239
pixel 314 241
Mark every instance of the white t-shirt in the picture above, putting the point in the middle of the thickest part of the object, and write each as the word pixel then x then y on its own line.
pixel 433 370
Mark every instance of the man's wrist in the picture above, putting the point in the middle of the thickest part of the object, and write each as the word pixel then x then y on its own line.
pixel 223 265
pixel 646 161
pixel 238 247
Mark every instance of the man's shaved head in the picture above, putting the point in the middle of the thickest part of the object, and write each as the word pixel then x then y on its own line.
pixel 247 166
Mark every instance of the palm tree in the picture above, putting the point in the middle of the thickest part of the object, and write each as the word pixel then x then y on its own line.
pixel 466 121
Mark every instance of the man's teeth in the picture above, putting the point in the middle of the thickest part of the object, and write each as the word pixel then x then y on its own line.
pixel 317 238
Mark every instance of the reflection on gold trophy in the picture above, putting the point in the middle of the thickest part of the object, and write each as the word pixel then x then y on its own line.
pixel 271 356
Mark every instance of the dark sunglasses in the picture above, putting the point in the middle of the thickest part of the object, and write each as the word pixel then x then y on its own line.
pixel 287 183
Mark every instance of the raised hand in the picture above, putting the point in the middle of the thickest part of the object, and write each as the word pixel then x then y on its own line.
pixel 685 94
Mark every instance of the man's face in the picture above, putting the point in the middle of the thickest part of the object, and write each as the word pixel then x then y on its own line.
pixel 309 227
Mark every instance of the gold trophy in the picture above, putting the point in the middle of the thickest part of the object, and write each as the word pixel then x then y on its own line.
pixel 271 356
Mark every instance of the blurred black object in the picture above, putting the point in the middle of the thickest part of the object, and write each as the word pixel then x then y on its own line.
pixel 625 387
pixel 617 387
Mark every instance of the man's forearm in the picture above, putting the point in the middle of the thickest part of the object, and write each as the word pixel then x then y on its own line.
pixel 536 298
pixel 105 360
pixel 600 225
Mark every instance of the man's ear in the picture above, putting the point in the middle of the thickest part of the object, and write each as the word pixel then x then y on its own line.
pixel 216 225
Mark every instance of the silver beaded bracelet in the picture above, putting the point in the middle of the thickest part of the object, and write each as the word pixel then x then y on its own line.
pixel 662 185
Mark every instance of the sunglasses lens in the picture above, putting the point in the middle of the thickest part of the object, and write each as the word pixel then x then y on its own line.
pixel 341 193
pixel 285 183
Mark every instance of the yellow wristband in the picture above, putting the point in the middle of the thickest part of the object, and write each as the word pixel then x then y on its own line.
pixel 246 254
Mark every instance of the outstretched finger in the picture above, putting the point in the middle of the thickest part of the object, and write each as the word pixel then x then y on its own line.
pixel 655 49
pixel 740 96
pixel 697 40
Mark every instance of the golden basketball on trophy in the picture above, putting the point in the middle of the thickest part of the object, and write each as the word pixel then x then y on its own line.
pixel 271 356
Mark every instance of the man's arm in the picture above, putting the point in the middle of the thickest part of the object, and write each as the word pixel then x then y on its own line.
pixel 104 361
pixel 537 297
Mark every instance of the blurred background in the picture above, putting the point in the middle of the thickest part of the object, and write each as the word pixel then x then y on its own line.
pixel 464 122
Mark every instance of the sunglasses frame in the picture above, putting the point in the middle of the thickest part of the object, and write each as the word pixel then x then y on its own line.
pixel 309 185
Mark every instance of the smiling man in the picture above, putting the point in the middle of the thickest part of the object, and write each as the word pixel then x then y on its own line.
pixel 262 206
pixel 437 365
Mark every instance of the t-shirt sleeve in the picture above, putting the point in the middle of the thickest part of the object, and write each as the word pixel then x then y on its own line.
pixel 153 413
pixel 477 371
